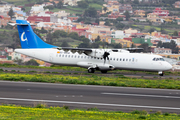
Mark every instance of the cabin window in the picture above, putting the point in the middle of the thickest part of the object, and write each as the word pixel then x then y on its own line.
pixel 65 55
pixel 59 55
pixel 123 59
pixel 72 56
pixel 133 59
pixel 120 59
pixel 154 59
pixel 110 58
pixel 69 55
pixel 126 59
pixel 75 56
pixel 114 59
pixel 78 56
pixel 85 57
pixel 129 59
pixel 81 56
pixel 91 57
pixel 117 59
pixel 62 55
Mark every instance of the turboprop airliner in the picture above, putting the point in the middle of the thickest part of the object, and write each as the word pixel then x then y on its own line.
pixel 93 59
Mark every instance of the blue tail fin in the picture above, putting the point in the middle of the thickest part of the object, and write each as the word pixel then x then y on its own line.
pixel 28 38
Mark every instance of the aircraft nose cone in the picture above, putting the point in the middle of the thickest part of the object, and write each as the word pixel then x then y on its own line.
pixel 169 66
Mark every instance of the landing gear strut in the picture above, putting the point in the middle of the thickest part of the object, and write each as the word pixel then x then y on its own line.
pixel 103 71
pixel 91 70
pixel 161 73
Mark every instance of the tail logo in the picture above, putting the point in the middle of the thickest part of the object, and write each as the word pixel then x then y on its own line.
pixel 23 37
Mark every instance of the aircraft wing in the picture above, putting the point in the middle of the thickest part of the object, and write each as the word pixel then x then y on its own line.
pixel 134 49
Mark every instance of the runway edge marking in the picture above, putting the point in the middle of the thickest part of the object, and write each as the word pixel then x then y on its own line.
pixel 86 103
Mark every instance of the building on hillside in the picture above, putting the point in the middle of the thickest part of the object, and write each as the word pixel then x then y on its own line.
pixel 142 40
pixel 177 4
pixel 36 9
pixel 123 42
pixel 61 14
pixel 162 51
pixel 112 6
pixel 73 18
pixel 167 18
pixel 161 12
pixel 5 8
pixel 71 2
pixel 139 13
pixel 37 19
pixel 4 20
pixel 130 31
pixel 118 34
pixel 125 7
pixel 116 15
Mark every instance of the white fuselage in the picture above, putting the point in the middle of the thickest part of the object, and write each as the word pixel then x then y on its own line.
pixel 128 61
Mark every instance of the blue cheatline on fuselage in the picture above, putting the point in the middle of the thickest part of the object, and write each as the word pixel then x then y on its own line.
pixel 28 38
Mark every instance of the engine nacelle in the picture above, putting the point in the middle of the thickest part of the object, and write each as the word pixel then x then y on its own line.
pixel 105 67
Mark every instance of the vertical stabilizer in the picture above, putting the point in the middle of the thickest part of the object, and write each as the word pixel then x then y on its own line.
pixel 28 38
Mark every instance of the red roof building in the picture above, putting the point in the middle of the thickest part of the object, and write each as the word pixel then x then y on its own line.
pixel 36 19
pixel 115 15
pixel 161 12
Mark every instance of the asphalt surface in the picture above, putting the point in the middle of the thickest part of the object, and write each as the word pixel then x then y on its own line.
pixel 85 96
pixel 131 74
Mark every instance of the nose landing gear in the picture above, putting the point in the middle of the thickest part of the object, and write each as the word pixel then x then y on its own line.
pixel 161 73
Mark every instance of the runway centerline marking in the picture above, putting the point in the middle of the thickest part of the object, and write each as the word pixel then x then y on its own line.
pixel 141 95
pixel 87 103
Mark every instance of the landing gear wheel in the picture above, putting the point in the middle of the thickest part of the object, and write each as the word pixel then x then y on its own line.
pixel 103 71
pixel 161 74
pixel 91 70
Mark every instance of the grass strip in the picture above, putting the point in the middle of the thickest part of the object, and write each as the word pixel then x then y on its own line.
pixel 6 65
pixel 93 80
pixel 55 113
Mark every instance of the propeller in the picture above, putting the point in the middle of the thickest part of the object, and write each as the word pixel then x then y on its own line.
pixel 106 55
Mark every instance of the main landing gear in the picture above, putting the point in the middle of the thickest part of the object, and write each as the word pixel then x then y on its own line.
pixel 161 73
pixel 91 70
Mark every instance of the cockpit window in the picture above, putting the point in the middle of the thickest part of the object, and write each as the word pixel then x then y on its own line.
pixel 161 59
pixel 158 59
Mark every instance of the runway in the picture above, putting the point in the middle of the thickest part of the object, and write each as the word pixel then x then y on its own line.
pixel 85 96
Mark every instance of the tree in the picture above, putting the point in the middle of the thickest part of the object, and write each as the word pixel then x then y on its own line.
pixel 49 38
pixel 175 33
pixel 90 12
pixel 107 23
pixel 82 4
pixel 127 15
pixel 98 39
pixel 74 35
pixel 136 2
pixel 145 47
pixel 59 5
pixel 119 19
pixel 120 26
pixel 65 44
pixel 151 30
pixel 117 45
pixel 32 62
pixel 11 13
pixel 83 45
pixel 97 21
pixel 159 44
pixel 105 9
